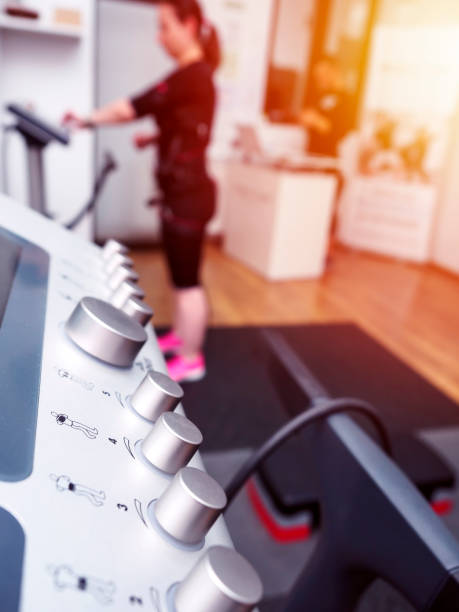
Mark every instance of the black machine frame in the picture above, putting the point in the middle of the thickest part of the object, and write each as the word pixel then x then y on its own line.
pixel 375 523
pixel 37 135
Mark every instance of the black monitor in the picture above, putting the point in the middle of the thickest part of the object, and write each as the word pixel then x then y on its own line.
pixel 37 129
pixel 375 523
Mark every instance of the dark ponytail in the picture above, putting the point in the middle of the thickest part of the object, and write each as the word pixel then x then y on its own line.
pixel 210 44
pixel 207 34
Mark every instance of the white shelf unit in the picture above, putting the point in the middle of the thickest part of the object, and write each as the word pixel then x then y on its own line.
pixel 39 26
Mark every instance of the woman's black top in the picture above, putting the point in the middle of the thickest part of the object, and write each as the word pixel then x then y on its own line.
pixel 183 106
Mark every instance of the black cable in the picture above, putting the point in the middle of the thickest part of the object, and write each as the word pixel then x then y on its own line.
pixel 323 409
pixel 109 166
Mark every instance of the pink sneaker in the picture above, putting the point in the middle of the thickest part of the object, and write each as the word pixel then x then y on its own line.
pixel 169 342
pixel 182 369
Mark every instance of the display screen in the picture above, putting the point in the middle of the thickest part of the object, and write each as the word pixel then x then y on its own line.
pixel 24 271
pixel 9 258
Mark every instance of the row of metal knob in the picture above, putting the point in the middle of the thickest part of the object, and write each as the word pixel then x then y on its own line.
pixel 222 581
pixel 193 500
pixel 122 279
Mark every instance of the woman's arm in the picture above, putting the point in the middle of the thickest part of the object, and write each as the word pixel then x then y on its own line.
pixel 312 119
pixel 120 111
pixel 145 139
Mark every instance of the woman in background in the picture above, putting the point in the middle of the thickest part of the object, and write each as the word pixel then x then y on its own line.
pixel 183 108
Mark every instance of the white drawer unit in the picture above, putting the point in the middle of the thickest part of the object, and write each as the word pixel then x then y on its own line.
pixel 86 520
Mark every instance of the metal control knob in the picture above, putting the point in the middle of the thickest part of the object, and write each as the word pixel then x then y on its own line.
pixel 190 505
pixel 221 581
pixel 120 275
pixel 137 310
pixel 105 332
pixel 126 290
pixel 157 393
pixel 111 247
pixel 116 260
pixel 172 442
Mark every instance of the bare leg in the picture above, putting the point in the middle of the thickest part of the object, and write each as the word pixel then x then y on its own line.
pixel 190 319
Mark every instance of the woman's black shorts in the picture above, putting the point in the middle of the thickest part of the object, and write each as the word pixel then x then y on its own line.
pixel 183 228
pixel 183 241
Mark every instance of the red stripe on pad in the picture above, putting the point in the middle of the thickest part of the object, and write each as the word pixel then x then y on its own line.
pixel 442 506
pixel 276 531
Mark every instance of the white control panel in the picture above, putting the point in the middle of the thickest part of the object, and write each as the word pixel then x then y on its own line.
pixel 92 539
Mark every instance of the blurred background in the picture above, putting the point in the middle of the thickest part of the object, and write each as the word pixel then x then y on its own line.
pixel 351 228
pixel 397 63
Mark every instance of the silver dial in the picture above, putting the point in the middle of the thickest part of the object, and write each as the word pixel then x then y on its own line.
pixel 111 247
pixel 221 581
pixel 190 505
pixel 105 332
pixel 157 393
pixel 116 260
pixel 137 310
pixel 126 290
pixel 172 442
pixel 120 275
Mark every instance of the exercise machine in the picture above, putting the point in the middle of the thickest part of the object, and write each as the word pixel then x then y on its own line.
pixel 37 134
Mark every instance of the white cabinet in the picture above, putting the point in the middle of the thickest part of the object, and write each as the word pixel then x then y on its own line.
pixel 277 222
pixel 390 217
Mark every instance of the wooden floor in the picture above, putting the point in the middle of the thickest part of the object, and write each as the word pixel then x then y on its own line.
pixel 412 310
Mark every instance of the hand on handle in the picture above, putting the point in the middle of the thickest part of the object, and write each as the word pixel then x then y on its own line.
pixel 74 122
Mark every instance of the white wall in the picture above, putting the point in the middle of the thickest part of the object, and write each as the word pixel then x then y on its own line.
pixel 52 73
pixel 414 74
pixel 293 33
pixel 418 12
pixel 128 61
pixel 446 231
pixel 244 29
pixel 414 70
